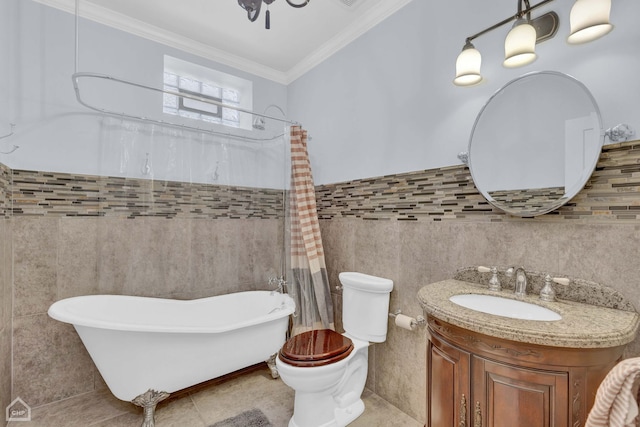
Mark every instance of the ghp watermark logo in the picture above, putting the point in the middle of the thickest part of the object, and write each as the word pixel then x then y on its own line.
pixel 18 411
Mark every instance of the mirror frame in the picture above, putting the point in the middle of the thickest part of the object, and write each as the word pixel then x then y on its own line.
pixel 587 171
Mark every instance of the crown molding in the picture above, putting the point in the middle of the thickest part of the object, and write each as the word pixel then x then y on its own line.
pixel 369 19
pixel 141 29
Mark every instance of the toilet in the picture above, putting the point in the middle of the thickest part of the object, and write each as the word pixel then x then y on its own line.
pixel 328 370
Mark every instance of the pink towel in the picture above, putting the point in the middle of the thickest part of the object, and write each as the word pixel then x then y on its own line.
pixel 616 404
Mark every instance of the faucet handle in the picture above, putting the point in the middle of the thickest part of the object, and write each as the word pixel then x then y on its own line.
pixel 494 282
pixel 561 281
pixel 547 293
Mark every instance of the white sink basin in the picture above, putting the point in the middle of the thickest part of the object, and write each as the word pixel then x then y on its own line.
pixel 505 307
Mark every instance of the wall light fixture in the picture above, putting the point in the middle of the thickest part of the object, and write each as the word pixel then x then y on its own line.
pixel 589 20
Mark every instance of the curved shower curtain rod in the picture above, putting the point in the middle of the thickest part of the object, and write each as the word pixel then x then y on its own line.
pixel 75 77
pixel 14 147
pixel 78 75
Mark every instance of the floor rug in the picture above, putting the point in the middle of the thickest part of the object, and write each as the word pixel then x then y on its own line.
pixel 251 418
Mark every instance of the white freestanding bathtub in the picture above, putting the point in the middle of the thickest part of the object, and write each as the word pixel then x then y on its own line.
pixel 142 344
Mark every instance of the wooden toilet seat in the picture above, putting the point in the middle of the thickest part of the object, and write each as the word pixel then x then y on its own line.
pixel 316 348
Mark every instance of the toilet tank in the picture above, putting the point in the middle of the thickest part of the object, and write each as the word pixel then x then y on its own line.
pixel 365 306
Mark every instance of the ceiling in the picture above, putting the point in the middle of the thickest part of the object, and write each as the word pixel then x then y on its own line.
pixel 299 38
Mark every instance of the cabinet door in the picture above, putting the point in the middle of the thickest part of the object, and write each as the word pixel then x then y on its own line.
pixel 511 396
pixel 448 385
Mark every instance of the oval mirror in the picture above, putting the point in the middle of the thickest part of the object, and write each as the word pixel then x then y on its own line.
pixel 535 143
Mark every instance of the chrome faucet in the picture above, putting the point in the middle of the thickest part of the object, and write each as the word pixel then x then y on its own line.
pixel 279 283
pixel 521 282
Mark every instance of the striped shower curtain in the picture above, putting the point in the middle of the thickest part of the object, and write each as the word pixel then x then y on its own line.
pixel 309 284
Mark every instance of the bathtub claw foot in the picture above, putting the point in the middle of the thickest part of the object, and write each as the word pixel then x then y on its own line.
pixel 271 363
pixel 148 401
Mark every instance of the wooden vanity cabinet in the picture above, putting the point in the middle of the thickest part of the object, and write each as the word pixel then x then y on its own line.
pixel 449 386
pixel 475 380
pixel 510 396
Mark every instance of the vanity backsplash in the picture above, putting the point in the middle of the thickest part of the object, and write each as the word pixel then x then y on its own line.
pixel 578 290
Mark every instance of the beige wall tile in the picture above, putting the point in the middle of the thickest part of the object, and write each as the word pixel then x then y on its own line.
pixel 151 256
pixel 50 362
pixel 6 297
pixel 267 251
pixel 239 244
pixel 338 235
pixel 77 269
pixel 400 368
pixel 5 294
pixel 161 249
pixel 377 248
pixel 115 252
pixel 214 252
pixel 35 250
pixel 5 367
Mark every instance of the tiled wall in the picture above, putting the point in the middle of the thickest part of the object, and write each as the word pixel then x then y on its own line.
pixel 5 288
pixel 448 194
pixel 63 195
pixel 420 227
pixel 77 235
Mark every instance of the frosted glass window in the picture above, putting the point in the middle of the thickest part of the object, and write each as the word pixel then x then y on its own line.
pixel 211 90
pixel 170 101
pixel 193 81
pixel 171 79
pixel 189 84
pixel 230 115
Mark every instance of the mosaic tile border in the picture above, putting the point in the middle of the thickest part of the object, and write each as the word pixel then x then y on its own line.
pixel 444 194
pixel 5 193
pixel 60 194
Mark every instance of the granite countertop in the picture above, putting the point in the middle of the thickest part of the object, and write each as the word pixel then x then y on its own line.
pixel 582 325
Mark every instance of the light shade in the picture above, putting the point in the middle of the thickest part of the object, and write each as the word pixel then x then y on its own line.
pixel 468 66
pixel 589 20
pixel 520 45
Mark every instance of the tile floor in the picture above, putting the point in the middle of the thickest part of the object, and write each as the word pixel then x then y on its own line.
pixel 203 405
